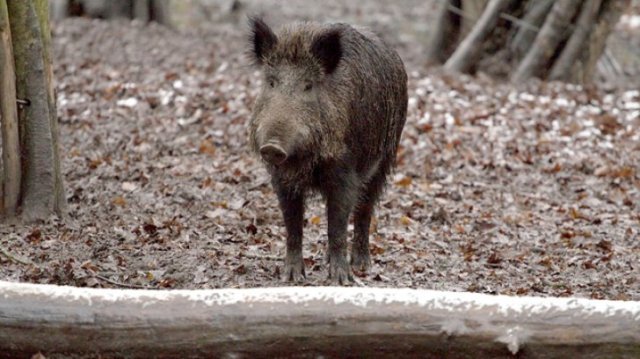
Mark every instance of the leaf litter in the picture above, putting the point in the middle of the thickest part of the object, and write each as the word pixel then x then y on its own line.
pixel 529 190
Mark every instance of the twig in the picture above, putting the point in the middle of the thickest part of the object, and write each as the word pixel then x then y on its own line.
pixel 265 257
pixel 13 257
pixel 119 284
pixel 518 22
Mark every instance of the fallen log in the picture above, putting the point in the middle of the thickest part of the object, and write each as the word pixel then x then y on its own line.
pixel 309 322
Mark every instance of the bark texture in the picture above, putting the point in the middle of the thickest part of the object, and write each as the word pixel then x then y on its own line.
pixel 462 58
pixel 11 172
pixel 557 40
pixel 41 189
pixel 608 16
pixel 310 322
pixel 552 33
pixel 525 35
pixel 444 38
pixel 567 67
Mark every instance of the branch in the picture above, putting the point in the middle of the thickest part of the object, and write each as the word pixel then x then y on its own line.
pixel 463 57
pixel 13 257
pixel 565 67
pixel 119 284
pixel 552 33
pixel 526 35
pixel 309 321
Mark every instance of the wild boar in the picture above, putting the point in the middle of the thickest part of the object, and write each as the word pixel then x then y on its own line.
pixel 328 120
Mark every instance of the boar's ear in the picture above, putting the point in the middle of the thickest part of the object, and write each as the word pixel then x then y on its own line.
pixel 262 39
pixel 328 49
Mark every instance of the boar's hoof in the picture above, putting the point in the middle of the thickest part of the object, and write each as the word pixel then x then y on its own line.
pixel 294 270
pixel 273 153
pixel 360 262
pixel 339 270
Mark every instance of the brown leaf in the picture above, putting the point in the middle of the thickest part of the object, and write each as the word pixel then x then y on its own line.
pixel 494 258
pixel 608 124
pixel 522 290
pixel 375 249
pixel 251 228
pixel 150 228
pixel 241 269
pixel 553 169
pixel 167 283
pixel 605 245
pixel 207 147
pixel 35 237
pixel 404 182
pixel 574 213
pixel 119 201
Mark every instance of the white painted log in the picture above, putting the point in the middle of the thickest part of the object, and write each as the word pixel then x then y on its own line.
pixel 310 321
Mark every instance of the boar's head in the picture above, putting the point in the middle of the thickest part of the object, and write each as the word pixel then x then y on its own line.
pixel 297 115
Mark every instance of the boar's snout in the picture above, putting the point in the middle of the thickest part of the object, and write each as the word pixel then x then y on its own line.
pixel 273 153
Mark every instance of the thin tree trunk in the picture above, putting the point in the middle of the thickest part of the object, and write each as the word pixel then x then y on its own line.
pixel 9 117
pixel 42 10
pixel 550 36
pixel 610 12
pixel 568 66
pixel 472 10
pixel 445 33
pixel 141 10
pixel 525 36
pixel 464 56
pixel 159 12
pixel 41 184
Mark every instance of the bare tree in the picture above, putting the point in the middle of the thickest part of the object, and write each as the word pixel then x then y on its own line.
pixel 11 174
pixel 32 181
pixel 558 40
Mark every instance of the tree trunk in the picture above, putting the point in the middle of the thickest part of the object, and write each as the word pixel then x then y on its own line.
pixel 159 12
pixel 141 10
pixel 610 12
pixel 43 17
pixel 41 190
pixel 525 35
pixel 462 58
pixel 472 10
pixel 558 40
pixel 567 67
pixel 310 322
pixel 444 36
pixel 553 32
pixel 11 172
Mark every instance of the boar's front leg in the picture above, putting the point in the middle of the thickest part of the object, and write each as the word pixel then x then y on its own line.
pixel 292 206
pixel 341 192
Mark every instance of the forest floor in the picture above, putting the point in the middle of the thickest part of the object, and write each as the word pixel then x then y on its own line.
pixel 529 190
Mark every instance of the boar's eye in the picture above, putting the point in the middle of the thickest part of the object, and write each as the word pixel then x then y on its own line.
pixel 308 86
pixel 272 83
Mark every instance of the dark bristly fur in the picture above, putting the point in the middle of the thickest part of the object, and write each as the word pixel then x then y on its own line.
pixel 328 120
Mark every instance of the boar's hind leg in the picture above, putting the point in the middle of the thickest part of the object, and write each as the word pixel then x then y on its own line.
pixel 341 197
pixel 360 259
pixel 292 206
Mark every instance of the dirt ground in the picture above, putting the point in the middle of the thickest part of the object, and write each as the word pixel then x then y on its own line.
pixel 529 190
